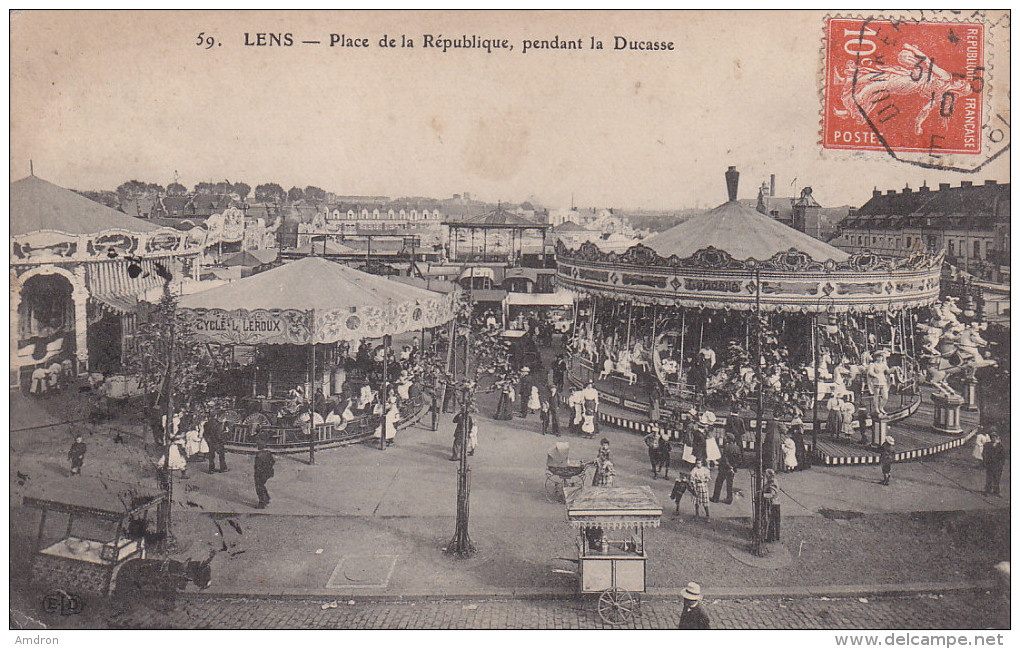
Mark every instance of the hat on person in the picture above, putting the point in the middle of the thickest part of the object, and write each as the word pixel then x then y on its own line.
pixel 708 418
pixel 891 441
pixel 692 592
pixel 881 352
pixel 525 369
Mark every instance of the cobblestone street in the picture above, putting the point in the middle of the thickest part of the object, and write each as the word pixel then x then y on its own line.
pixel 954 610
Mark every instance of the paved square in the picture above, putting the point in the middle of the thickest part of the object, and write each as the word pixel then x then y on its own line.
pixel 363 571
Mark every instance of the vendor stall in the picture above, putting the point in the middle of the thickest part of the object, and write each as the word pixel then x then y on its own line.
pixel 610 524
pixel 100 530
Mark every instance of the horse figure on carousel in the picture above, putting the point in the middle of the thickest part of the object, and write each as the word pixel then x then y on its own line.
pixel 952 347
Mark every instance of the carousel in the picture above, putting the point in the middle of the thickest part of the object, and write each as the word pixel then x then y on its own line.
pixel 732 312
pixel 306 371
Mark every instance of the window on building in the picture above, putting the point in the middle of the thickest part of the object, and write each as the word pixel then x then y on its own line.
pixel 908 243
pixel 977 249
pixel 952 248
pixel 874 240
pixel 897 242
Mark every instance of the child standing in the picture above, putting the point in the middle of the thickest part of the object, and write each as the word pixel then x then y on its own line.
pixel 77 455
pixel 887 456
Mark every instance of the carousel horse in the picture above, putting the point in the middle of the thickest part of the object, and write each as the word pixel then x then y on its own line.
pixel 623 367
pixel 968 347
pixel 639 356
pixel 937 374
pixel 607 368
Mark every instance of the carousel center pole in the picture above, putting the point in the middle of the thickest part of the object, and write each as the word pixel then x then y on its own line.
pixel 758 526
pixel 814 397
pixel 310 398
pixel 385 390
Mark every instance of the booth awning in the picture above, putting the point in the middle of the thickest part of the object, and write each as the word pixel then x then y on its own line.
pixel 613 507
pixel 477 271
pixel 111 285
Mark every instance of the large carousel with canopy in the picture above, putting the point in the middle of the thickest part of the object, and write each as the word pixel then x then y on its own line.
pixel 313 346
pixel 704 314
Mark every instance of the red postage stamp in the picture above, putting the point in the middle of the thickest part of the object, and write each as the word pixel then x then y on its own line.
pixel 904 86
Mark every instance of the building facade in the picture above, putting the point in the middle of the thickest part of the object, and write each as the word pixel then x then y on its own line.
pixel 970 222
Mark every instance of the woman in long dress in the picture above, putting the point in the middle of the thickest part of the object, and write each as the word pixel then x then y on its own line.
pixel 789 454
pixel 507 396
pixel 389 423
pixel 980 440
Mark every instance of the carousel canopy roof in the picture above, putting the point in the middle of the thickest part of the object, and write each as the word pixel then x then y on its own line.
pixel 741 231
pixel 314 299
pixel 40 205
pixel 307 284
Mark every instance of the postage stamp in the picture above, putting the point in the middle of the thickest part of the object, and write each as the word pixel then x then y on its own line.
pixel 905 86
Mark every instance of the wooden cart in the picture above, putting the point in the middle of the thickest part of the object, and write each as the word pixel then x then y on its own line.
pixel 91 542
pixel 610 523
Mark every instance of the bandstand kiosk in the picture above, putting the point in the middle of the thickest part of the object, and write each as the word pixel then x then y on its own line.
pixel 695 290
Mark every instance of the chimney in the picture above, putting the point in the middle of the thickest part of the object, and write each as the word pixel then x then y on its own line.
pixel 890 192
pixel 907 190
pixel 966 183
pixel 924 189
pixel 732 178
pixel 772 185
pixel 876 192
pixel 943 186
pixel 991 183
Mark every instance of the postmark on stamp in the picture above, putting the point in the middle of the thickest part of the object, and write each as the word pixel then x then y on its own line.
pixel 915 89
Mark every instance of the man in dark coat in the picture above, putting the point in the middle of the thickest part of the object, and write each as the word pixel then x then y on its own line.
pixel 995 460
pixel 735 425
pixel 264 462
pixel 214 434
pixel 731 459
pixel 694 615
pixel 772 453
pixel 559 371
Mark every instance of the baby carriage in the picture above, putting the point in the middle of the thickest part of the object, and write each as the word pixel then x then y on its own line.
pixel 561 473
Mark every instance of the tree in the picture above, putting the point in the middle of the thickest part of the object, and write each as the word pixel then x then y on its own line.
pixel 131 189
pixel 173 367
pixel 314 193
pixel 176 189
pixel 295 194
pixel 241 189
pixel 107 198
pixel 205 188
pixel 269 193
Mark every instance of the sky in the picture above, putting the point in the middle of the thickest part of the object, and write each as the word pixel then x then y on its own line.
pixel 100 98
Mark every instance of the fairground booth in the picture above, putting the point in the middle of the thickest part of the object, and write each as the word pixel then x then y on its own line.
pixel 77 268
pixel 671 322
pixel 314 335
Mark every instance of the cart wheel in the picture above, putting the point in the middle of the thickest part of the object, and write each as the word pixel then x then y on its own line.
pixel 616 606
pixel 553 488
